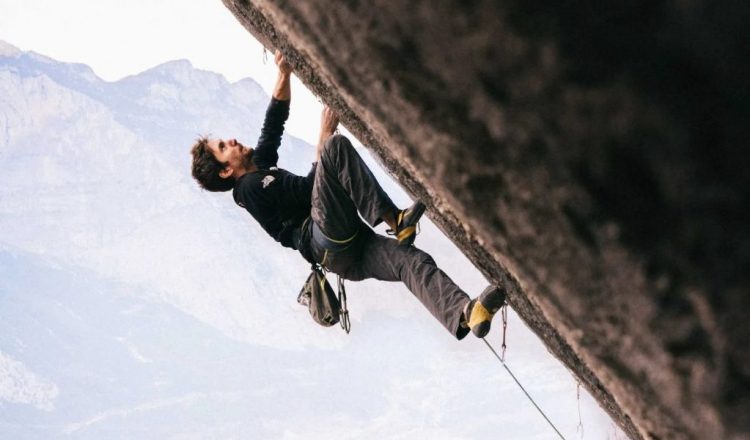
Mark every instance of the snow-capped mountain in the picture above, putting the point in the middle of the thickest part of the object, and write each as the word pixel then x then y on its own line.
pixel 135 305
pixel 97 174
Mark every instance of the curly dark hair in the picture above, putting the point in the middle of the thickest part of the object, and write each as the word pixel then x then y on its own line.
pixel 206 168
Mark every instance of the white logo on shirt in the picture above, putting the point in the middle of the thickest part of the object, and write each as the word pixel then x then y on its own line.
pixel 267 180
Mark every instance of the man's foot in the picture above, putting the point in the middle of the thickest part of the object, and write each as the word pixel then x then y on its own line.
pixel 406 224
pixel 480 310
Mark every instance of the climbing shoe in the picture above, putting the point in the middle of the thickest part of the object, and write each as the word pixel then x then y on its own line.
pixel 480 310
pixel 406 224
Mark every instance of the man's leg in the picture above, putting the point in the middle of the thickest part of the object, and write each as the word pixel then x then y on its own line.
pixel 344 185
pixel 343 189
pixel 383 259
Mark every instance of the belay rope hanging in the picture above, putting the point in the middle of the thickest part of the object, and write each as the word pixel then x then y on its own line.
pixel 504 313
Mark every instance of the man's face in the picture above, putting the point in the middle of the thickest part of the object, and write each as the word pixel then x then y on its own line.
pixel 237 157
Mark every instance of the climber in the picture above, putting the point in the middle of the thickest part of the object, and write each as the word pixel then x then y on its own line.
pixel 318 214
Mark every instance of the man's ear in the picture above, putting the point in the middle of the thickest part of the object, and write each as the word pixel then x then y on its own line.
pixel 226 172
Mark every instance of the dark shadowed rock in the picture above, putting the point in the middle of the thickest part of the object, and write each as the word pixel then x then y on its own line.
pixel 589 156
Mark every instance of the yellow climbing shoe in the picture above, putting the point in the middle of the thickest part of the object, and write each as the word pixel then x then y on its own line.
pixel 480 310
pixel 406 224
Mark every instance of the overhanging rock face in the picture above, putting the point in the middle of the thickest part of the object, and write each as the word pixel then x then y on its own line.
pixel 591 157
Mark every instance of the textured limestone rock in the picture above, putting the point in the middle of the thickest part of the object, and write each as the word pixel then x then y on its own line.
pixel 589 156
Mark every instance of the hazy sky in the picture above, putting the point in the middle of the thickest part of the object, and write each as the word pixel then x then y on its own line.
pixel 119 38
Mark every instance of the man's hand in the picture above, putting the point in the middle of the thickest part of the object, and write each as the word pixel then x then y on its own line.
pixel 283 90
pixel 284 67
pixel 328 123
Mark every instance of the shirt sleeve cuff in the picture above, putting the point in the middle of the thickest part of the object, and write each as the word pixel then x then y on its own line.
pixel 276 102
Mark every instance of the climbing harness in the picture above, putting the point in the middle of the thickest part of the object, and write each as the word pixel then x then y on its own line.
pixel 325 308
pixel 502 361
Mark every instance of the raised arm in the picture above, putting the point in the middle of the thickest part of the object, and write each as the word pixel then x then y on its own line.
pixel 266 152
pixel 283 89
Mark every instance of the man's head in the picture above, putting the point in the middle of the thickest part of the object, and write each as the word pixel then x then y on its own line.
pixel 217 164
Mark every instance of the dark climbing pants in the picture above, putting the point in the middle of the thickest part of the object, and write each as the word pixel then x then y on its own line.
pixel 344 189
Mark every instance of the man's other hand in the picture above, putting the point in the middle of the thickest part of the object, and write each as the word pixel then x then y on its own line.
pixel 284 67
pixel 328 122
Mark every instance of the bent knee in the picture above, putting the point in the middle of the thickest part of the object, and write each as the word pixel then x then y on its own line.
pixel 424 259
pixel 417 259
pixel 334 145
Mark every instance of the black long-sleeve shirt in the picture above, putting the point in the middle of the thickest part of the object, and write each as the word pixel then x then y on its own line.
pixel 277 199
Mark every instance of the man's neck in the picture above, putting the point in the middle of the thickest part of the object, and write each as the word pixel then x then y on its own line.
pixel 249 169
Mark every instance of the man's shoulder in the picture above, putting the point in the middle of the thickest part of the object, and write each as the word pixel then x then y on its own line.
pixel 249 181
pixel 257 175
pixel 254 182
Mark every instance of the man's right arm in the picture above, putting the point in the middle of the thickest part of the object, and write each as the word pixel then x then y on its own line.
pixel 283 89
pixel 266 151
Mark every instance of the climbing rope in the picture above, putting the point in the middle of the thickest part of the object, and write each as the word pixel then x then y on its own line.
pixel 504 314
pixel 502 361
pixel 579 428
